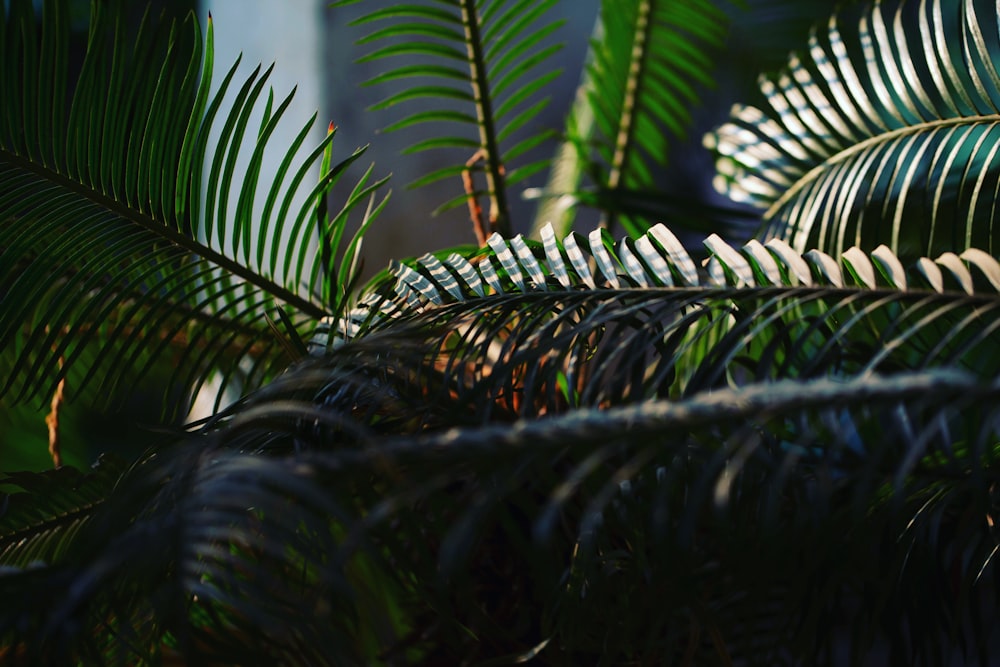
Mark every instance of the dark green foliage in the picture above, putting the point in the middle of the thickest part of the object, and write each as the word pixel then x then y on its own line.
pixel 572 452
pixel 112 260
pixel 488 57
pixel 766 500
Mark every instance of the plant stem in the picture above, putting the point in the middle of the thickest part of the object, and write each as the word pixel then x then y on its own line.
pixel 499 210
pixel 626 130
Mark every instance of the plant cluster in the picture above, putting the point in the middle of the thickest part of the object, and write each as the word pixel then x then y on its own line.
pixel 565 449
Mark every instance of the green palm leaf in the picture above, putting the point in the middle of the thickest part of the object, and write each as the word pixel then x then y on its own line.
pixel 787 429
pixel 757 407
pixel 488 56
pixel 647 60
pixel 888 118
pixel 771 457
pixel 112 259
pixel 204 594
pixel 807 408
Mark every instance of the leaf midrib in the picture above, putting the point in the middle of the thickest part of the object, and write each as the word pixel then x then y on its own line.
pixel 168 233
pixel 861 146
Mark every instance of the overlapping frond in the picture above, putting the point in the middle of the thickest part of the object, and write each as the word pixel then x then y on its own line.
pixel 234 566
pixel 482 63
pixel 738 433
pixel 858 478
pixel 803 415
pixel 41 520
pixel 806 314
pixel 524 355
pixel 578 452
pixel 883 132
pixel 128 236
pixel 647 61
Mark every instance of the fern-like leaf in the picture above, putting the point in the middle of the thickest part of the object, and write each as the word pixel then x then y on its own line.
pixel 655 260
pixel 757 482
pixel 750 481
pixel 489 57
pixel 112 260
pixel 890 117
pixel 39 522
pixel 647 60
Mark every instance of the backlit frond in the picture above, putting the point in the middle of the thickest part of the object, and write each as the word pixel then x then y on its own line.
pixel 883 132
pixel 655 260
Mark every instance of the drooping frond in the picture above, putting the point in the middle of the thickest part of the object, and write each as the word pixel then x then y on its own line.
pixel 883 132
pixel 483 66
pixel 230 571
pixel 647 60
pixel 121 248
pixel 736 491
pixel 859 478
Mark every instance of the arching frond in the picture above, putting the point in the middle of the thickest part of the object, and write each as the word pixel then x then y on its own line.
pixel 833 306
pixel 883 132
pixel 488 57
pixel 112 259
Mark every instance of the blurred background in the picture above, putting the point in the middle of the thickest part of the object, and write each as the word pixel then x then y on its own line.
pixel 314 46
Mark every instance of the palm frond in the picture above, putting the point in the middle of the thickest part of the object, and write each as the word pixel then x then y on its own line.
pixel 816 411
pixel 575 452
pixel 890 117
pixel 647 60
pixel 532 354
pixel 41 519
pixel 506 338
pixel 211 591
pixel 112 258
pixel 859 478
pixel 489 57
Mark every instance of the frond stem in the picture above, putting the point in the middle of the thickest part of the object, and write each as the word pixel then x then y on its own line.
pixel 633 88
pixel 499 209
pixel 760 401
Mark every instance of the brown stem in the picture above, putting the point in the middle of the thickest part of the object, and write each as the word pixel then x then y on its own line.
pixel 499 210
pixel 475 210
pixel 52 419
